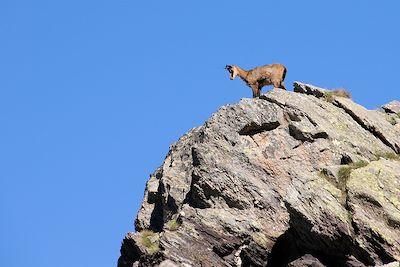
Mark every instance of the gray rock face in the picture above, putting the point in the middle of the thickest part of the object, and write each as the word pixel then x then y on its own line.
pixel 392 113
pixel 287 179
pixel 392 107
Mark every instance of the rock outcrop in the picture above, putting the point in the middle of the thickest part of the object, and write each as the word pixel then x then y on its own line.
pixel 287 179
pixel 392 107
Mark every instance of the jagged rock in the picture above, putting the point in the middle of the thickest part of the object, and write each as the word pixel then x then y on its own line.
pixel 392 107
pixel 306 261
pixel 167 263
pixel 309 89
pixel 276 181
pixel 392 264
pixel 372 122
pixel 374 201
pixel 143 246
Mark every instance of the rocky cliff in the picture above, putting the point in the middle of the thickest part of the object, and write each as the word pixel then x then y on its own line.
pixel 303 178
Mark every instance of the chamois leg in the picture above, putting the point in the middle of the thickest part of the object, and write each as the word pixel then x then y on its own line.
pixel 279 84
pixel 255 90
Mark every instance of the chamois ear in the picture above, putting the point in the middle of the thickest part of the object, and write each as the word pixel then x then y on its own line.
pixel 228 67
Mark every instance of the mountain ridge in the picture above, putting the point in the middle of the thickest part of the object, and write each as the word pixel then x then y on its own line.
pixel 301 178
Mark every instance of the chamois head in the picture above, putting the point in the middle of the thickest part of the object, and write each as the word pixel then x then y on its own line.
pixel 232 71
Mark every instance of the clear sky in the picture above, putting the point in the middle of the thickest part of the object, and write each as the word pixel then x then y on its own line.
pixel 92 93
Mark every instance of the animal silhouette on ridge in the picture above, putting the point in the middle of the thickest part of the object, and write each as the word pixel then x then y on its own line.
pixel 256 78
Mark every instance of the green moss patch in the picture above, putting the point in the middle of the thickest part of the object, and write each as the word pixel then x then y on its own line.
pixel 173 224
pixel 345 171
pixel 387 155
pixel 150 240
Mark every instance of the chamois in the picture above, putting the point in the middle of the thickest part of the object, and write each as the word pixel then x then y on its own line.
pixel 256 78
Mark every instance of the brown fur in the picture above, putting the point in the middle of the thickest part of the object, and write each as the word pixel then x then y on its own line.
pixel 256 78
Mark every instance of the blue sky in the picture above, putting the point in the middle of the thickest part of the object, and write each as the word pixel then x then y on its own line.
pixel 92 93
